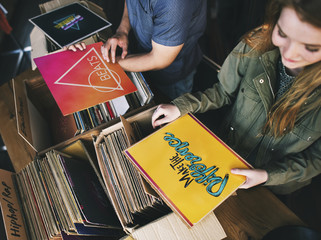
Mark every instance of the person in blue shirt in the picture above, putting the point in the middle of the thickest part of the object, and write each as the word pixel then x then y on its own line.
pixel 167 32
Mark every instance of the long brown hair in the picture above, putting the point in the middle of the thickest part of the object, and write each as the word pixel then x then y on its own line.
pixel 294 104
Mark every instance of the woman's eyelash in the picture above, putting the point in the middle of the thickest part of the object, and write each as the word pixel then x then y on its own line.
pixel 281 34
pixel 312 49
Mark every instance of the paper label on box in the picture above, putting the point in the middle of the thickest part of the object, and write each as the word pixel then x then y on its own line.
pixel 11 212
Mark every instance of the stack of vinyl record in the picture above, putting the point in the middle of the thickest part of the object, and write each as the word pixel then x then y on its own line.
pixel 62 195
pixel 102 113
pixel 127 190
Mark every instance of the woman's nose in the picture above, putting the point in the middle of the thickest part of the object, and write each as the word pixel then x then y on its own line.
pixel 292 51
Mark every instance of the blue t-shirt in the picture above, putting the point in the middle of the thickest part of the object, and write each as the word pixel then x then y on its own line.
pixel 170 23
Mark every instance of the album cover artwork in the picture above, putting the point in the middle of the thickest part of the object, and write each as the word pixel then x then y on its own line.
pixel 82 79
pixel 70 24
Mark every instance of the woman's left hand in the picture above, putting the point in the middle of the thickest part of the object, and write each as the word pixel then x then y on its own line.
pixel 253 176
pixel 169 112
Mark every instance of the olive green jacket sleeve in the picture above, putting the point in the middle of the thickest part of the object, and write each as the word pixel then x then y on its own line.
pixel 223 92
pixel 295 171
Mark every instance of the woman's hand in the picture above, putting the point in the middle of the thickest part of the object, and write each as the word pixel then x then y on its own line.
pixel 253 176
pixel 165 113
pixel 119 39
pixel 81 46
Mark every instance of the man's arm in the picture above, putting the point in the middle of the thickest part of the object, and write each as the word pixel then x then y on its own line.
pixel 124 25
pixel 158 58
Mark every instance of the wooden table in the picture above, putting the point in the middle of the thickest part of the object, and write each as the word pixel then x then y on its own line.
pixel 248 215
pixel 252 213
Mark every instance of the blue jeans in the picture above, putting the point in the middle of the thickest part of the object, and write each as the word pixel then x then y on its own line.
pixel 177 89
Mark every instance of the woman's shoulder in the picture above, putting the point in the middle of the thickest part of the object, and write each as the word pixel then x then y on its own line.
pixel 244 50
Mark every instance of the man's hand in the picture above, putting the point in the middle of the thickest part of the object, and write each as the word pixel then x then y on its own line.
pixel 81 46
pixel 119 39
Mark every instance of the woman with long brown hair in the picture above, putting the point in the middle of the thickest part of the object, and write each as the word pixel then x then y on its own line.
pixel 272 81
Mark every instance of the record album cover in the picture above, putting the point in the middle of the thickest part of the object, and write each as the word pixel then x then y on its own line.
pixel 188 166
pixel 69 24
pixel 82 79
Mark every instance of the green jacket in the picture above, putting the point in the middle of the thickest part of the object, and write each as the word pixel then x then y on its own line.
pixel 248 82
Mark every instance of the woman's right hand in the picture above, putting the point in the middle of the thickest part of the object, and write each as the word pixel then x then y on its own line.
pixel 165 113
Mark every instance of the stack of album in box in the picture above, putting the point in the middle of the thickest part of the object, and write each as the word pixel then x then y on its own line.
pixel 62 196
pixel 134 203
pixel 102 113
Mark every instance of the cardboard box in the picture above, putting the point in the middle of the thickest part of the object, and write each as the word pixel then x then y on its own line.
pixel 168 225
pixel 39 120
pixel 12 205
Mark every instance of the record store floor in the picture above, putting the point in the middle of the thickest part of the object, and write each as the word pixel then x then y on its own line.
pixel 15 58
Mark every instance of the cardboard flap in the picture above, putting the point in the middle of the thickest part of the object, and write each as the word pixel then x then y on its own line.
pixel 40 132
pixel 131 138
pixel 30 124
pixel 170 227
pixel 38 39
pixel 22 113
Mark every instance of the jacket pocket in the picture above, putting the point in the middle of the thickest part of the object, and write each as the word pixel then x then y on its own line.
pixel 245 121
pixel 247 103
pixel 301 137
